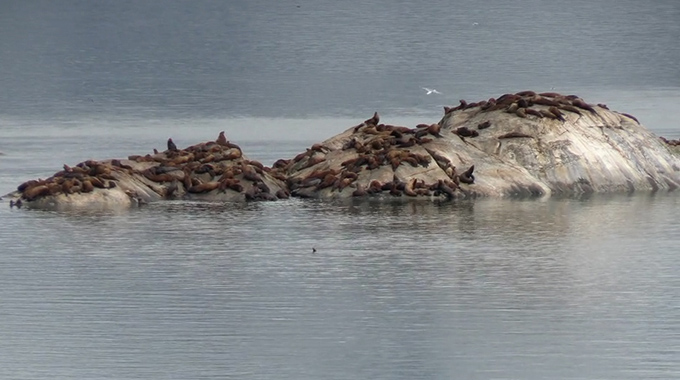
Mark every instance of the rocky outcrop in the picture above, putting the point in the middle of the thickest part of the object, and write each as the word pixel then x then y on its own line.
pixel 523 144
pixel 212 171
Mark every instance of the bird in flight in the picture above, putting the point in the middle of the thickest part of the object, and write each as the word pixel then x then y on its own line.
pixel 431 91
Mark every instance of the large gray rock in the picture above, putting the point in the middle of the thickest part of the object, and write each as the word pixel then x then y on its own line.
pixel 520 144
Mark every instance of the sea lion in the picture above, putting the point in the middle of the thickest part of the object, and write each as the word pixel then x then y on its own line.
pixel 444 188
pixel 521 112
pixel 526 93
pixel 466 132
pixel 87 186
pixel 544 101
pixel 515 134
pixel 170 190
pixel 630 116
pixel 18 203
pixel 533 112
pixel 489 103
pixel 555 111
pixel 203 187
pixel 435 130
pixel 484 125
pixel 375 120
pixel 512 108
pixel 466 176
pixel 221 139
pixel 580 103
pixel 547 114
pixel 507 99
pixel 171 146
pixel 34 192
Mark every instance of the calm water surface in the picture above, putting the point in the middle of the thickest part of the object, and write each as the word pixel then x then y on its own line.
pixel 568 288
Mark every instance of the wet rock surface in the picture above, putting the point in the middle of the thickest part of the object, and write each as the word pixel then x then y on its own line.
pixel 523 144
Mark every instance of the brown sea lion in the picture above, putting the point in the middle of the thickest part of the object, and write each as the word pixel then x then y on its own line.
pixel 466 176
pixel 222 139
pixel 27 184
pixel 98 183
pixel 87 186
pixel 533 112
pixel 375 120
pixel 489 103
pixel 171 146
pixel 409 188
pixel 521 112
pixel 630 116
pixel 526 93
pixel 511 135
pixel 512 108
pixel 578 102
pixel 507 99
pixel 434 130
pixel 36 191
pixel 442 187
pixel 558 114
pixel 204 187
pixel 547 114
pixel 484 125
pixel 466 132
pixel 550 94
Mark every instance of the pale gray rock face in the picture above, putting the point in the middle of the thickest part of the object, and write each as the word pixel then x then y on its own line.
pixel 519 145
pixel 598 151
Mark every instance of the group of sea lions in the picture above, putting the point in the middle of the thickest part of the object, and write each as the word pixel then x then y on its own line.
pixel 191 173
pixel 525 104
pixel 374 159
pixel 82 178
pixel 369 159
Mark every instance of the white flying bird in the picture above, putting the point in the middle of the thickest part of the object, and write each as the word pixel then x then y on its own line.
pixel 431 91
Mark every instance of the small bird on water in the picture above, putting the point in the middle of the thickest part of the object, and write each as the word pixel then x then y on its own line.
pixel 313 250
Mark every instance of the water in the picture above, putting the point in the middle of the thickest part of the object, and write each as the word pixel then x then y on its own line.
pixel 570 288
